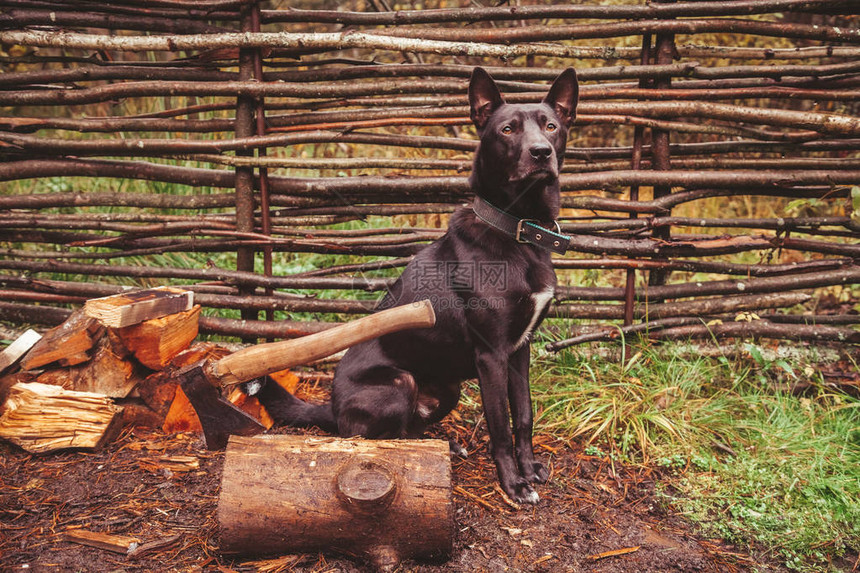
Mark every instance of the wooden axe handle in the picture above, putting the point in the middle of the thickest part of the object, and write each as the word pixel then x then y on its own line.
pixel 256 361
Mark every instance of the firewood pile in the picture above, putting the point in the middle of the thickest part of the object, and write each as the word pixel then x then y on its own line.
pixel 111 365
pixel 131 360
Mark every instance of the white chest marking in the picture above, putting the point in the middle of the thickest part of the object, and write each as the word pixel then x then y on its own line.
pixel 540 300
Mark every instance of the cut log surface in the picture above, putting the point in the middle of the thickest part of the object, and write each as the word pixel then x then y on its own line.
pixel 383 500
pixel 67 344
pixel 12 353
pixel 42 418
pixel 121 310
pixel 157 341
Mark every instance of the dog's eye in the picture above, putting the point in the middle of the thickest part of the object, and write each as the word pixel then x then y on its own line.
pixel 507 130
pixel 551 127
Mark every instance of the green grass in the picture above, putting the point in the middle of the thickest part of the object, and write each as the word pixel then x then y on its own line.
pixel 794 486
pixel 746 462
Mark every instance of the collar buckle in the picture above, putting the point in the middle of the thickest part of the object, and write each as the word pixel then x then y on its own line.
pixel 520 228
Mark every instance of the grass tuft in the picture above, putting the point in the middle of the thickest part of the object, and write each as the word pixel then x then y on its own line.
pixel 746 461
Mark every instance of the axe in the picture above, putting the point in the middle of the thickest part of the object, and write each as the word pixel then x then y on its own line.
pixel 202 380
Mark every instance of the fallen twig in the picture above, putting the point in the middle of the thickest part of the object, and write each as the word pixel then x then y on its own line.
pixel 613 553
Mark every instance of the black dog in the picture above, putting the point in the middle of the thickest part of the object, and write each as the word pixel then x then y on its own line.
pixel 489 287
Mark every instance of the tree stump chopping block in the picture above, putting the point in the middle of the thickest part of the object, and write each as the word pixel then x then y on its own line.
pixel 381 500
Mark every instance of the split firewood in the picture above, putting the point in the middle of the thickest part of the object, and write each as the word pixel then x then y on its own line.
pixel 180 463
pixel 136 414
pixel 157 391
pixel 159 388
pixel 173 464
pixel 182 417
pixel 67 344
pixel 116 543
pixel 386 500
pixel 42 418
pixel 162 393
pixel 121 310
pixel 157 341
pixel 116 344
pixel 106 373
pixel 6 383
pixel 197 352
pixel 12 353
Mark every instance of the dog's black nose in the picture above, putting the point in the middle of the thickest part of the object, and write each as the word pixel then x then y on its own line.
pixel 540 151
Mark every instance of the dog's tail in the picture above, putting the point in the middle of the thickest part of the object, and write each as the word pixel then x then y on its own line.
pixel 286 409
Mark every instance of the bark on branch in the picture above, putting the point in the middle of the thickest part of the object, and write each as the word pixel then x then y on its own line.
pixel 296 42
pixel 844 276
pixel 615 29
pixel 378 41
pixel 500 13
pixel 760 329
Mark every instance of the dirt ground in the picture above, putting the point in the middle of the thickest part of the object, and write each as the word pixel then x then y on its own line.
pixel 593 515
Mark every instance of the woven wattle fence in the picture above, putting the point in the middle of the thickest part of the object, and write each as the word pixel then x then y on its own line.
pixel 135 133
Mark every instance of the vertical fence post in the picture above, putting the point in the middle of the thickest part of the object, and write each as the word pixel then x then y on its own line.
pixel 245 127
pixel 665 52
pixel 636 163
pixel 265 214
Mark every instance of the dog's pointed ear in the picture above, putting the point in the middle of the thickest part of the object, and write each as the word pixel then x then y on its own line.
pixel 564 95
pixel 484 97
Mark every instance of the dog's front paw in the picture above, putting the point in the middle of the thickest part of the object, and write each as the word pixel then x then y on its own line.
pixel 520 491
pixel 536 472
pixel 533 471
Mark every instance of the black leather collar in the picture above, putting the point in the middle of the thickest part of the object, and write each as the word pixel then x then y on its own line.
pixel 522 230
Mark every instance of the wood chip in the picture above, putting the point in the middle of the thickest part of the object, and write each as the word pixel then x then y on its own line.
pixel 459 490
pixel 613 553
pixel 116 543
pixel 508 501
pixel 180 463
pixel 154 546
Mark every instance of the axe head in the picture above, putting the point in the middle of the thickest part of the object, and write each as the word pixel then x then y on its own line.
pixel 219 418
